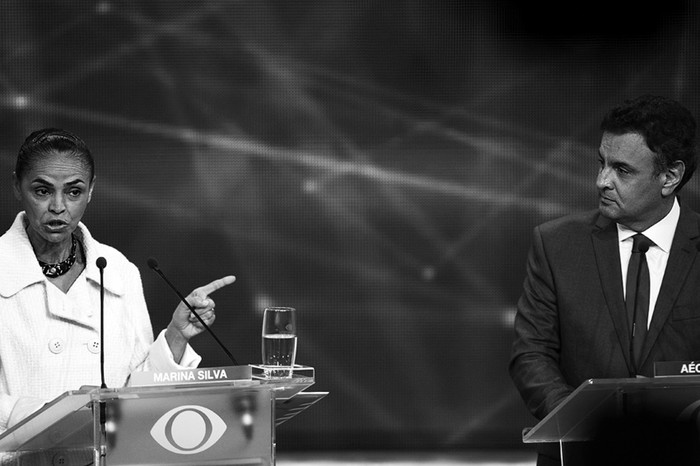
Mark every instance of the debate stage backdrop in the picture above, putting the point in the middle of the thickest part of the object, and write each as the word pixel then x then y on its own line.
pixel 378 165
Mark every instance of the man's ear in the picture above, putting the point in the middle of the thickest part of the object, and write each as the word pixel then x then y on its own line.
pixel 674 174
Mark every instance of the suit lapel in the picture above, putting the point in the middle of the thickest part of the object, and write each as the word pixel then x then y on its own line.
pixel 683 252
pixel 607 254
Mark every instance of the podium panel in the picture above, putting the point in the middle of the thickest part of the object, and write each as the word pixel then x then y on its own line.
pixel 597 402
pixel 228 422
pixel 212 426
pixel 61 433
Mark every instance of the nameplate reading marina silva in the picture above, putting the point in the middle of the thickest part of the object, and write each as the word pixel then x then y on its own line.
pixel 194 376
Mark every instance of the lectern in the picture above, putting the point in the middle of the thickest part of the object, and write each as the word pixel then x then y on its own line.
pixel 197 417
pixel 608 409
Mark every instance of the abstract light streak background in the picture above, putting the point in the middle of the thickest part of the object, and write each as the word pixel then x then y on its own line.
pixel 377 165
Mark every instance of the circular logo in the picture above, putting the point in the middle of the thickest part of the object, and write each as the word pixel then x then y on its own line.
pixel 187 430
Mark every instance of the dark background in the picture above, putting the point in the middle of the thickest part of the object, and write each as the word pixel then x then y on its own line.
pixel 377 165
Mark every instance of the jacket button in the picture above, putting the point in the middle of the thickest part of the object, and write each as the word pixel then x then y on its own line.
pixel 56 345
pixel 93 346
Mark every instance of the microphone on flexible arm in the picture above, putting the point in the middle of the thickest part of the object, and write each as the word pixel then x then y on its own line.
pixel 101 264
pixel 153 264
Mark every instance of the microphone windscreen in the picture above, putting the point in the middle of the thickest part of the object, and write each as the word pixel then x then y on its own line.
pixel 101 262
pixel 152 263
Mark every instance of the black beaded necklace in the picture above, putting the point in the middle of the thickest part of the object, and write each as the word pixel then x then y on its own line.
pixel 60 268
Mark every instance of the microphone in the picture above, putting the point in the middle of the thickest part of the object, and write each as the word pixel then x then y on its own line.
pixel 101 263
pixel 153 264
pixel 245 406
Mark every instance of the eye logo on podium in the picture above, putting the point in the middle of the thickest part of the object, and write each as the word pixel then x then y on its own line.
pixel 187 430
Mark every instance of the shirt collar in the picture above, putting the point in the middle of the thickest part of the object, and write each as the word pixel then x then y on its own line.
pixel 661 233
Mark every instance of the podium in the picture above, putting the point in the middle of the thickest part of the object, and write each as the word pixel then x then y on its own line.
pixel 615 411
pixel 187 419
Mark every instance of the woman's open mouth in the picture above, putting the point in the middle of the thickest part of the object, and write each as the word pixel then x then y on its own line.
pixel 56 225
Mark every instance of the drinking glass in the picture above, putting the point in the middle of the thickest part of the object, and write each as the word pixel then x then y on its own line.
pixel 279 341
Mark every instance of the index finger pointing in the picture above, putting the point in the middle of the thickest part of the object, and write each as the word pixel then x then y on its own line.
pixel 208 289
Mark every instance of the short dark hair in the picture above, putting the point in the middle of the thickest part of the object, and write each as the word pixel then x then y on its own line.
pixel 668 128
pixel 49 141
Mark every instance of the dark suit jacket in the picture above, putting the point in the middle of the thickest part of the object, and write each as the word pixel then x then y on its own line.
pixel 571 323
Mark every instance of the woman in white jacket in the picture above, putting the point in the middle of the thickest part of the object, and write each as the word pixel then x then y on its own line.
pixel 50 290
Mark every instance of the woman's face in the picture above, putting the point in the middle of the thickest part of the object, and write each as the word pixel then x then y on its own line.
pixel 54 194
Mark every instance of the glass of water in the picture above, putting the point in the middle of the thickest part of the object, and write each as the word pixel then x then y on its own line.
pixel 279 341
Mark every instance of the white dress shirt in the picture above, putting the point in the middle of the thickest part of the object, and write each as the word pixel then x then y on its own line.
pixel 50 340
pixel 661 233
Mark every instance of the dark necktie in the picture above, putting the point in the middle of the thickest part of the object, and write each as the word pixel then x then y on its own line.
pixel 637 299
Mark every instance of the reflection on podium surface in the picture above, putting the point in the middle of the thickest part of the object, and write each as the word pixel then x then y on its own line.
pixel 219 423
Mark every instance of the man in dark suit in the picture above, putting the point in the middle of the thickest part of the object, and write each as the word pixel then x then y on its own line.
pixel 576 317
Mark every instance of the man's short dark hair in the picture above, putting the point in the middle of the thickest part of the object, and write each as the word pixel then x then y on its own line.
pixel 667 127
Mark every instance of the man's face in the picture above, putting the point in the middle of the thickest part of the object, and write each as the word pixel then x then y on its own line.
pixel 629 192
